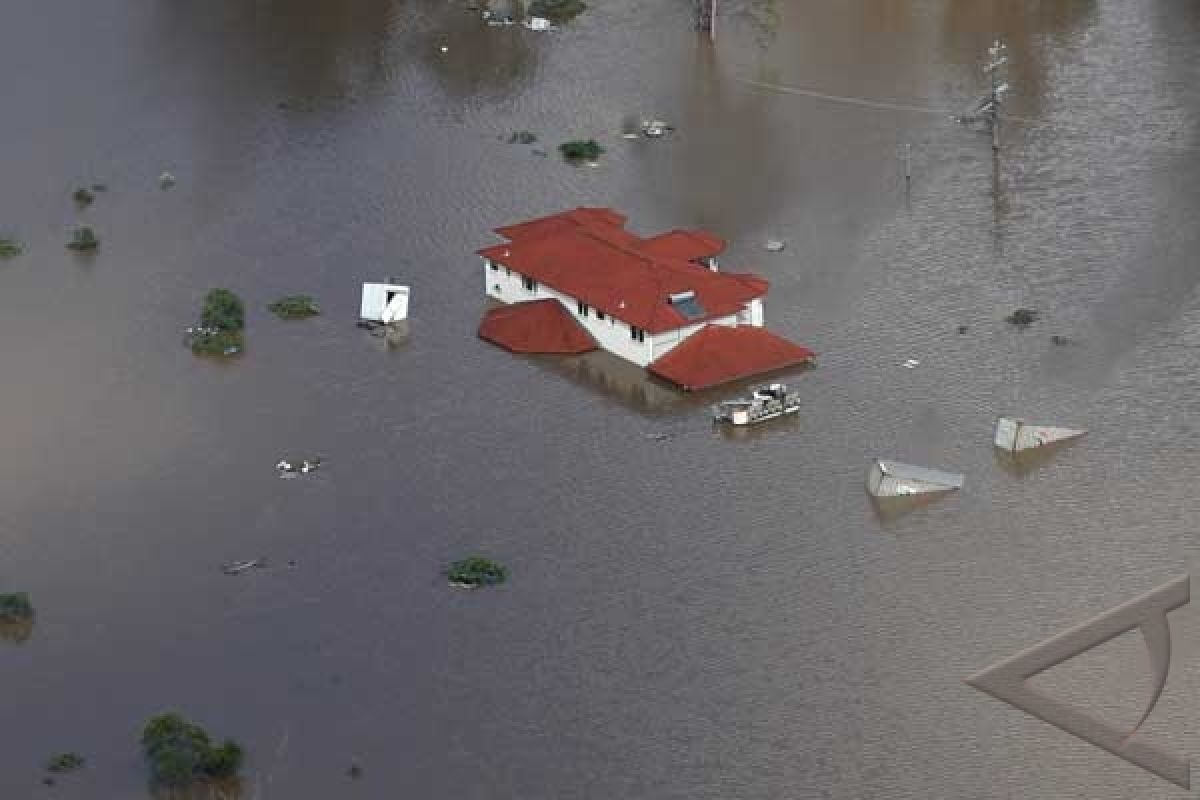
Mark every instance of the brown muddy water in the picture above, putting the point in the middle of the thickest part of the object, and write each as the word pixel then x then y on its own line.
pixel 708 616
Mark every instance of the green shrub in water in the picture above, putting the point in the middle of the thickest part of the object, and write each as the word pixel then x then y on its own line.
pixel 10 248
pixel 476 571
pixel 15 607
pixel 223 310
pixel 296 306
pixel 65 762
pixel 181 753
pixel 83 239
pixel 557 10
pixel 580 150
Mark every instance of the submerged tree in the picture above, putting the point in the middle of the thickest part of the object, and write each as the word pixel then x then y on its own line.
pixel 182 754
pixel 10 248
pixel 475 571
pixel 296 306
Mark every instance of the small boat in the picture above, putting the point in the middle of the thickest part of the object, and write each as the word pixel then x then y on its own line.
pixel 767 402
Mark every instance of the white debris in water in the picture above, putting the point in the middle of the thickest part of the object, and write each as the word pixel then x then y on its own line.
pixel 912 363
pixel 775 245
pixel 166 180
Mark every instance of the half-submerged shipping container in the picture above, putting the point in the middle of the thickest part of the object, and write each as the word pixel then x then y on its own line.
pixel 893 479
pixel 1016 435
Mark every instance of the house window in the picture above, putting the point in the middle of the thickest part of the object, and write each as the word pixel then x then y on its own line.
pixel 599 314
pixel 495 267
pixel 529 283
pixel 583 308
pixel 508 272
pixel 637 334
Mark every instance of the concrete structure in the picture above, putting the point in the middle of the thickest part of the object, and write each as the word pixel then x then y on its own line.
pixel 637 298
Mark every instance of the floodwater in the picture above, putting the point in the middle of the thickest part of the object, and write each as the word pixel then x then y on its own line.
pixel 708 616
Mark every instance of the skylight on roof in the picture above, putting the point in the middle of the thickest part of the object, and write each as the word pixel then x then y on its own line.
pixel 686 304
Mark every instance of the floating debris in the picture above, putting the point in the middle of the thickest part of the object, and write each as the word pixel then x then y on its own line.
pixel 767 402
pixel 581 150
pixel 238 567
pixel 296 306
pixel 658 437
pixel 304 467
pixel 83 197
pixel 65 762
pixel 83 239
pixel 538 24
pixel 522 137
pixel 893 479
pixel 775 245
pixel 962 329
pixel 10 248
pixel 445 49
pixel 1022 317
pixel 166 180
pixel 654 128
pixel 473 572
pixel 99 187
pixel 911 363
pixel 355 772
pixel 1016 435
pixel 384 302
pixel 540 153
pixel 1061 341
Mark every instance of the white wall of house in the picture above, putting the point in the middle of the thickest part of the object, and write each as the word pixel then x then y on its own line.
pixel 508 286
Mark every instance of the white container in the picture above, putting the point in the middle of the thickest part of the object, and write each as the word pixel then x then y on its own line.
pixel 384 302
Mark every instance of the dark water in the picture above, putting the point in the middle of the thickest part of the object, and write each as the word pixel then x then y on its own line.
pixel 705 617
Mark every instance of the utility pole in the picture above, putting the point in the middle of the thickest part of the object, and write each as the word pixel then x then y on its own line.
pixel 706 17
pixel 991 106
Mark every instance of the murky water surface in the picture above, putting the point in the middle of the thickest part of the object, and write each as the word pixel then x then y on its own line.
pixel 709 616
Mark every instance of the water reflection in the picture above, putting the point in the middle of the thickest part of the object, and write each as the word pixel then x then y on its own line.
pixel 890 509
pixel 1023 463
pixel 229 789
pixel 726 175
pixel 618 380
pixel 478 59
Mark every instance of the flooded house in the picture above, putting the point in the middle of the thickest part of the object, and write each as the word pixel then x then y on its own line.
pixel 662 302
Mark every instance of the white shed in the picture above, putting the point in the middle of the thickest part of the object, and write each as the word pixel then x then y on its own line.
pixel 893 479
pixel 384 302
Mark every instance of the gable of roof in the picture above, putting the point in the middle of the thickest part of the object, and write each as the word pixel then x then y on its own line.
pixel 539 326
pixel 683 245
pixel 720 354
pixel 588 255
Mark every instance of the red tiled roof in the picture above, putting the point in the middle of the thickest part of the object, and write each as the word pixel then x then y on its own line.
pixel 539 326
pixel 719 354
pixel 586 254
pixel 683 245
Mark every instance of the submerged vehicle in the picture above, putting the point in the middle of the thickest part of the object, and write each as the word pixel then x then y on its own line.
pixel 767 402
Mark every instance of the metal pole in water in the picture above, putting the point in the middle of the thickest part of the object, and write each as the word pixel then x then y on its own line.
pixel 907 166
pixel 712 23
